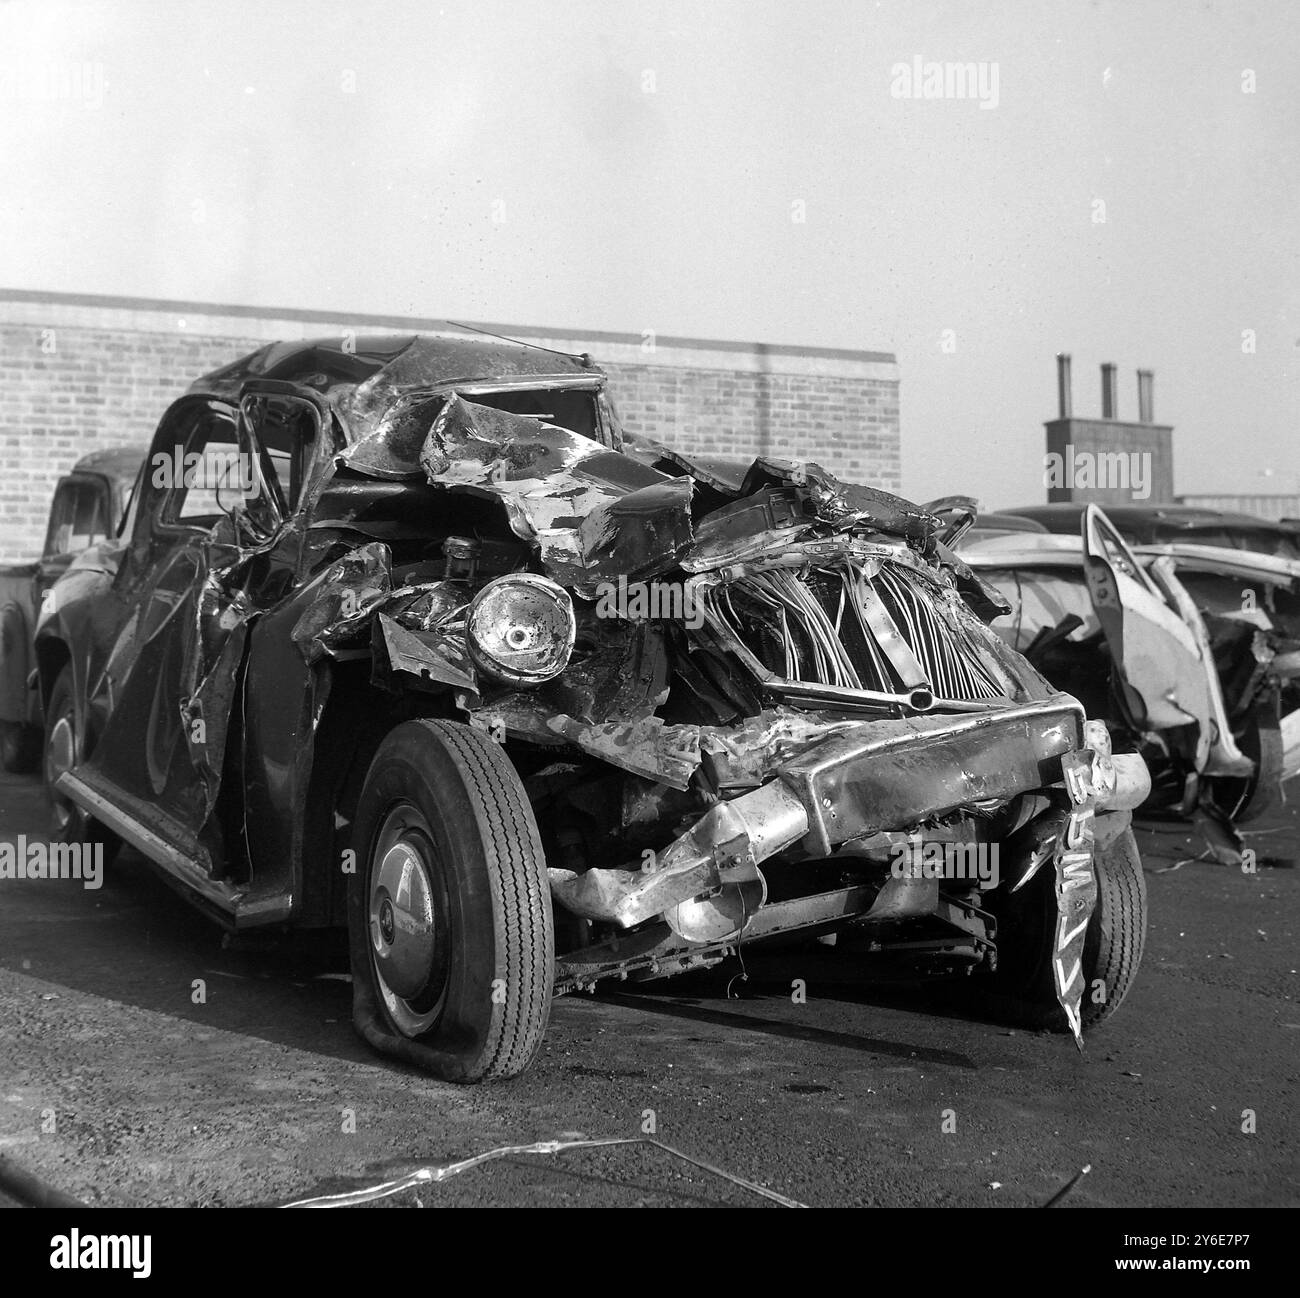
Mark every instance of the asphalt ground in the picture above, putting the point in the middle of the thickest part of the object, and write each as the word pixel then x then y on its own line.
pixel 122 1085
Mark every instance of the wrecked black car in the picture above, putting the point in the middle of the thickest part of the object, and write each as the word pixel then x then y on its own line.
pixel 408 637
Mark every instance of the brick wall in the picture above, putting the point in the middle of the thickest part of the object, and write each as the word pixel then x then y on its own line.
pixel 79 373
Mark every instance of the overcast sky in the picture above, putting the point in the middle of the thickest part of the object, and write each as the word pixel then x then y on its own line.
pixel 648 160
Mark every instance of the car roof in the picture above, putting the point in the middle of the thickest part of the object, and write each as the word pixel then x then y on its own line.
pixel 361 377
pixel 1008 522
pixel 120 463
pixel 1064 516
pixel 413 361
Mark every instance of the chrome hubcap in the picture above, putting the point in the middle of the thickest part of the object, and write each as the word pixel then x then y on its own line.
pixel 404 923
pixel 401 920
pixel 60 756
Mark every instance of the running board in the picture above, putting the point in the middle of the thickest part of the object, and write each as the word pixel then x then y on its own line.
pixel 234 905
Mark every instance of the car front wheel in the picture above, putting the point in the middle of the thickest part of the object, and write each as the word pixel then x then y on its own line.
pixel 1022 990
pixel 449 909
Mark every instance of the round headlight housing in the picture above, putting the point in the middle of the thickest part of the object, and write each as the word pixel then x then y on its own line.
pixel 520 629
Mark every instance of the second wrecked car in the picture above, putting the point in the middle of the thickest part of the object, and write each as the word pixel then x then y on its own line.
pixel 1191 651
pixel 409 637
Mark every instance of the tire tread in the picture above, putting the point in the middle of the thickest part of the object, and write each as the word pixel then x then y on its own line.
pixel 514 857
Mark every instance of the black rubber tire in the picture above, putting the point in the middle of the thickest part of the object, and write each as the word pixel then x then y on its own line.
pixel 1022 991
pixel 79 827
pixel 488 991
pixel 21 746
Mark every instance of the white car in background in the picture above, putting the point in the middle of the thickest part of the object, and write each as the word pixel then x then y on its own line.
pixel 1191 652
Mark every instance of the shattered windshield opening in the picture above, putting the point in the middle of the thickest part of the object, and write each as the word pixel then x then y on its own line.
pixel 574 409
pixel 392 449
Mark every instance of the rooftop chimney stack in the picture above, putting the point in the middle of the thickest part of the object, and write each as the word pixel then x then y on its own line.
pixel 1063 398
pixel 1109 391
pixel 1146 397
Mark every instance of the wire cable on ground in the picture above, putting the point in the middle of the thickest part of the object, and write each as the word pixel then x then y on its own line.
pixel 436 1175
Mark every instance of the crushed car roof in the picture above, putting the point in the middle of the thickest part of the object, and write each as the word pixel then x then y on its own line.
pixel 345 371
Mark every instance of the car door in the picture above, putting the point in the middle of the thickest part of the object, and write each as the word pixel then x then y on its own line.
pixel 1158 644
pixel 183 591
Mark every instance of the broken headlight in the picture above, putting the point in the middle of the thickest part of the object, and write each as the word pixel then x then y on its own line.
pixel 520 629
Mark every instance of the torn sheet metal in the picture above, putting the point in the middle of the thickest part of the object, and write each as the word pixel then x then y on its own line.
pixel 721 851
pixel 627 897
pixel 597 514
pixel 519 714
pixel 212 681
pixel 1076 889
pixel 349 592
pixel 550 481
pixel 891 774
pixel 392 449
pixel 426 607
pixel 753 526
pixel 848 504
pixel 647 747
pixel 1222 837
pixel 638 535
pixel 984 598
pixel 379 388
pixel 619 670
pixel 749 752
pixel 433 657
pixel 723 474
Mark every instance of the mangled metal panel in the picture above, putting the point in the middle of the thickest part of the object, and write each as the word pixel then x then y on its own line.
pixel 1075 890
pixel 714 861
pixel 623 671
pixel 749 752
pixel 646 747
pixel 421 656
pixel 891 774
pixel 593 513
pixel 349 593
pixel 847 504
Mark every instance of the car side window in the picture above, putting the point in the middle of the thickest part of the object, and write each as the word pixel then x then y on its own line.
pixel 285 428
pixel 203 473
pixel 78 517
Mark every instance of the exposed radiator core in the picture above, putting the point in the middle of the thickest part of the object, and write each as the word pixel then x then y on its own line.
pixel 878 627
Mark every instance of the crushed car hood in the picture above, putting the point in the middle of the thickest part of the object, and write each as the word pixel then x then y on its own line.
pixel 595 514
